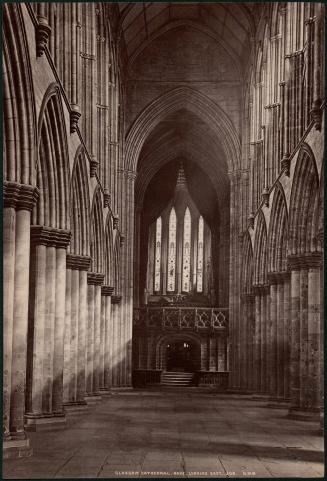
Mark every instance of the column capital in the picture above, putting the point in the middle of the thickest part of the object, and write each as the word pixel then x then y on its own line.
pixel 19 196
pixel 115 220
pixel 50 236
pixel 305 261
pixel 278 277
pixel 116 299
pixel 95 279
pixel 247 297
pixel 77 262
pixel 261 289
pixel 107 290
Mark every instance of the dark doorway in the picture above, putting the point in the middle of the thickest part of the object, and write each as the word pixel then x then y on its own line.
pixel 181 356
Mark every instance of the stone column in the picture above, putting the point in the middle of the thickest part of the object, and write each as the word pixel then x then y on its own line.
pixel 287 333
pixel 106 329
pixel 249 369
pixel 116 340
pixel 257 337
pixel 19 200
pixel 315 356
pixel 304 357
pixel 281 364
pixel 94 281
pixel 75 331
pixel 272 338
pixel 46 327
pixel 265 316
pixel 295 336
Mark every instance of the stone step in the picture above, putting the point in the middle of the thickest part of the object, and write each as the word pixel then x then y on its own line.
pixel 178 379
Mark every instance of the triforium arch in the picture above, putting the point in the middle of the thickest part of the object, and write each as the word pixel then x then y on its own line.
pixel 80 206
pixel 19 143
pixel 182 97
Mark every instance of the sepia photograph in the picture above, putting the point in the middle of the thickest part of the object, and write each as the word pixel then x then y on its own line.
pixel 163 237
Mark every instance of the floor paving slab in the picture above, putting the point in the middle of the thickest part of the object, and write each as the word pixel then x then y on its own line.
pixel 213 435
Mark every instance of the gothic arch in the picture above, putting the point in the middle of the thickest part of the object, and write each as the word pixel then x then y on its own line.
pixel 303 197
pixel 318 217
pixel 116 265
pixel 19 143
pixel 97 233
pixel 277 234
pixel 260 251
pixel 171 337
pixel 109 269
pixel 172 101
pixel 52 164
pixel 247 265
pixel 80 206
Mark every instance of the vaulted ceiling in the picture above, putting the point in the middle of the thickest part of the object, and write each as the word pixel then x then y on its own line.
pixel 230 24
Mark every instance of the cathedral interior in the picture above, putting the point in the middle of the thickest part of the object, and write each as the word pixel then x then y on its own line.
pixel 163 238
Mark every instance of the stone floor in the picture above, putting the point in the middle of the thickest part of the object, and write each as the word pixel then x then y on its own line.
pixel 162 432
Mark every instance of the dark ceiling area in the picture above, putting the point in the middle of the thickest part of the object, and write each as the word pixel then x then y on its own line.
pixel 231 24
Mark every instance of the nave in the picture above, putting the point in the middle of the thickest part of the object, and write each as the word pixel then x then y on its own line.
pixel 163 223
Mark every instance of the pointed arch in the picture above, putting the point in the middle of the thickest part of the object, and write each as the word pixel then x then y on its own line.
pixel 97 233
pixel 278 229
pixel 317 231
pixel 247 265
pixel 186 269
pixel 172 101
pixel 116 265
pixel 80 206
pixel 172 238
pixel 20 129
pixel 52 170
pixel 260 251
pixel 303 197
pixel 109 269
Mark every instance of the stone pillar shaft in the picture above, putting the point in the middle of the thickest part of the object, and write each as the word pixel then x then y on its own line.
pixel 19 200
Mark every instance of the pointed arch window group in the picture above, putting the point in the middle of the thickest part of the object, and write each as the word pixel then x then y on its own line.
pixel 191 240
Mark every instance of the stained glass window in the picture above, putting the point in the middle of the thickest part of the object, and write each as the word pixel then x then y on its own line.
pixel 157 262
pixel 171 275
pixel 199 279
pixel 186 251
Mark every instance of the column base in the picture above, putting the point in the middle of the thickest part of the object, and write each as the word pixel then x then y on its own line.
pixel 278 403
pixel 260 397
pixel 17 448
pixel 121 389
pixel 75 407
pixel 240 391
pixel 44 422
pixel 301 414
pixel 104 391
pixel 93 398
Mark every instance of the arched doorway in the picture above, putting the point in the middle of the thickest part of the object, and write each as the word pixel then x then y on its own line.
pixel 179 353
pixel 180 356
